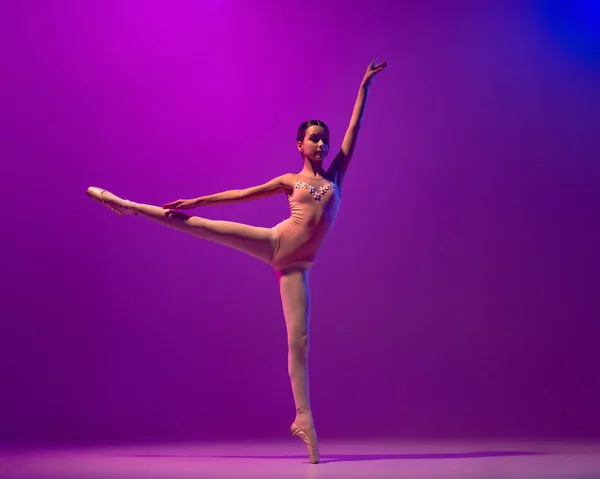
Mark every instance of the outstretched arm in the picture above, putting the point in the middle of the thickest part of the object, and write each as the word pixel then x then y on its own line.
pixel 276 185
pixel 342 159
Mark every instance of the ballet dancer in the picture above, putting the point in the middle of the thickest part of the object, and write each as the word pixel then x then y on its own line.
pixel 290 247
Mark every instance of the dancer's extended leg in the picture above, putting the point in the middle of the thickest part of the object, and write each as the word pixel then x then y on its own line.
pixel 295 298
pixel 255 241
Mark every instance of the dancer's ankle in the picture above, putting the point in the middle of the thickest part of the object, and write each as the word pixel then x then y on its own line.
pixel 303 411
pixel 130 205
pixel 304 417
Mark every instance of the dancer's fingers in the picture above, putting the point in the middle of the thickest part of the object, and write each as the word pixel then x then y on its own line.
pixel 172 205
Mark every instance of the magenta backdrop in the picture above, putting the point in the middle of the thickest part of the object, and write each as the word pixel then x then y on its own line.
pixel 457 295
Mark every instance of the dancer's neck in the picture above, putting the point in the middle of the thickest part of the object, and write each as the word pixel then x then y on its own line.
pixel 313 169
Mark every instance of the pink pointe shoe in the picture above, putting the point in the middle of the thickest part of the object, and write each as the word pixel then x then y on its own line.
pixel 309 436
pixel 112 202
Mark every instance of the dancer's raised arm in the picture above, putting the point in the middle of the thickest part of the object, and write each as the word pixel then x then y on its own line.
pixel 277 185
pixel 342 159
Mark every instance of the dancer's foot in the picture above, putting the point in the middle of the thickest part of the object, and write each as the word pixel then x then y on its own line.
pixel 304 428
pixel 112 202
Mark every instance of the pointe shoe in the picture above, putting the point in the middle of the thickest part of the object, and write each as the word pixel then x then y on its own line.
pixel 109 200
pixel 309 436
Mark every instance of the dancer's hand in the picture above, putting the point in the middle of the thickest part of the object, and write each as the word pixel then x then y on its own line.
pixel 372 70
pixel 181 205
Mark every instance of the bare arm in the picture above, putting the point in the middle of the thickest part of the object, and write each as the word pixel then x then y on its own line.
pixel 272 187
pixel 277 185
pixel 342 159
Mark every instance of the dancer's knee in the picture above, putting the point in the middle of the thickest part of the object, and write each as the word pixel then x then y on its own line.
pixel 298 345
pixel 178 215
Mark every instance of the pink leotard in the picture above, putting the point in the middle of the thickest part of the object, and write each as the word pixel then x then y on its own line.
pixel 314 204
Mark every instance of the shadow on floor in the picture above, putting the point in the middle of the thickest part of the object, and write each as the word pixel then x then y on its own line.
pixel 326 458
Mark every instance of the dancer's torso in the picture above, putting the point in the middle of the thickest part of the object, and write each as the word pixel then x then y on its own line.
pixel 314 204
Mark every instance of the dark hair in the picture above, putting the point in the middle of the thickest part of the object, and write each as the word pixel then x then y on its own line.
pixel 306 125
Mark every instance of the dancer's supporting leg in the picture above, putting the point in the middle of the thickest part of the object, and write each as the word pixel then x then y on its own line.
pixel 253 240
pixel 295 297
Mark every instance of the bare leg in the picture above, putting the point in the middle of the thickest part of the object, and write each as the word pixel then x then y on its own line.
pixel 255 241
pixel 295 297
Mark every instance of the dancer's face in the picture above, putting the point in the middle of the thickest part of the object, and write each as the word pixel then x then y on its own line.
pixel 315 145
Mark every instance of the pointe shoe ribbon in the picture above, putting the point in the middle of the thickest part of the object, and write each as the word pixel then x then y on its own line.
pixel 310 438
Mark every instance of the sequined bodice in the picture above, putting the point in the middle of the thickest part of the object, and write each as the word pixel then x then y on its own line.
pixel 316 193
pixel 314 203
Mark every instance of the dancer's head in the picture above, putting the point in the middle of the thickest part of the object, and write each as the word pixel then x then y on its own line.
pixel 313 140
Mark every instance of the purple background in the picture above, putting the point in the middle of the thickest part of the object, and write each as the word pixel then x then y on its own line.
pixel 457 295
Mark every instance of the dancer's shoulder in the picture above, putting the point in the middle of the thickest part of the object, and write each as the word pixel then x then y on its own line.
pixel 288 179
pixel 285 182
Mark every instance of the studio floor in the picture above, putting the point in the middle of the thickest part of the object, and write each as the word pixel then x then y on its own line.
pixel 287 460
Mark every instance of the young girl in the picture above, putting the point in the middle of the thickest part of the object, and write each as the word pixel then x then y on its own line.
pixel 290 247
